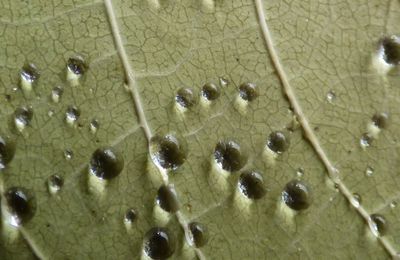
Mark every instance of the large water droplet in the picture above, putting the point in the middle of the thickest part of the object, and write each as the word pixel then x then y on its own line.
pixel 198 234
pixel 167 199
pixel 7 151
pixel 378 224
pixel 130 216
pixel 23 117
pixel 297 195
pixel 159 243
pixel 72 115
pixel 389 48
pixel 380 120
pixel 20 205
pixel 185 97
pixel 248 91
pixel 29 73
pixel 56 94
pixel 106 163
pixel 77 65
pixel 278 142
pixel 229 156
pixel 167 152
pixel 251 185
pixel 210 91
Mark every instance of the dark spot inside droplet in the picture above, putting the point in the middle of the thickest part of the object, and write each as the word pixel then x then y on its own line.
pixel 20 205
pixel 391 49
pixel 77 65
pixel 30 73
pixel 72 114
pixel 23 116
pixel 55 182
pixel 167 152
pixel 130 215
pixel 251 184
pixel 297 195
pixel 229 156
pixel 380 224
pixel 380 120
pixel 198 234
pixel 210 91
pixel 159 243
pixel 278 142
pixel 7 151
pixel 167 199
pixel 106 163
pixel 185 97
pixel 248 91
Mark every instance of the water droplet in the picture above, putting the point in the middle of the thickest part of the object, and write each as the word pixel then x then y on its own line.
pixel 185 98
pixel 228 156
pixel 20 205
pixel 56 94
pixel 50 113
pixel 248 91
pixel 278 142
pixel 198 234
pixel 22 117
pixel 210 91
pixel 167 199
pixel 130 216
pixel 389 48
pixel 380 120
pixel 76 65
pixel 106 163
pixel 356 200
pixel 29 73
pixel 223 81
pixel 7 151
pixel 297 195
pixel 94 126
pixel 393 204
pixel 251 185
pixel 55 183
pixel 300 172
pixel 378 224
pixel 369 171
pixel 159 243
pixel 331 96
pixel 72 115
pixel 366 140
pixel 68 154
pixel 167 152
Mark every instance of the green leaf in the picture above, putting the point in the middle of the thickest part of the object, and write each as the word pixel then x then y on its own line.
pixel 317 73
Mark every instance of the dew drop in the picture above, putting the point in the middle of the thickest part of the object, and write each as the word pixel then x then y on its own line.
pixel 19 205
pixel 198 234
pixel 331 96
pixel 297 195
pixel 68 154
pixel 229 156
pixel 130 216
pixel 251 184
pixel 369 171
pixel 365 140
pixel 210 91
pixel 223 81
pixel 378 224
pixel 29 73
pixel 278 142
pixel 300 172
pixel 55 183
pixel 159 243
pixel 167 152
pixel 94 126
pixel 50 113
pixel 167 199
pixel 248 91
pixel 76 65
pixel 390 49
pixel 356 200
pixel 185 98
pixel 7 151
pixel 22 117
pixel 393 204
pixel 380 120
pixel 56 94
pixel 72 115
pixel 106 163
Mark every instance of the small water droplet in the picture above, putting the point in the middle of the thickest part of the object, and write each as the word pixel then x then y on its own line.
pixel 50 113
pixel 167 152
pixel 378 224
pixel 248 91
pixel 56 94
pixel 366 140
pixel 130 216
pixel 76 65
pixel 393 204
pixel 210 91
pixel 369 171
pixel 229 156
pixel 7 151
pixel 278 142
pixel 94 126
pixel 29 73
pixel 198 234
pixel 296 195
pixel 167 199
pixel 23 117
pixel 380 120
pixel 390 50
pixel 223 81
pixel 106 163
pixel 185 98
pixel 20 205
pixel 300 172
pixel 159 243
pixel 331 96
pixel 68 154
pixel 72 115
pixel 251 184
pixel 356 200
pixel 55 183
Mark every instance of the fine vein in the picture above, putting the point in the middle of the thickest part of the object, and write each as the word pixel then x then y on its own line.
pixel 308 132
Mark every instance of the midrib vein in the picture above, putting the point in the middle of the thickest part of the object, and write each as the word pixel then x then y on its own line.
pixel 131 82
pixel 308 132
